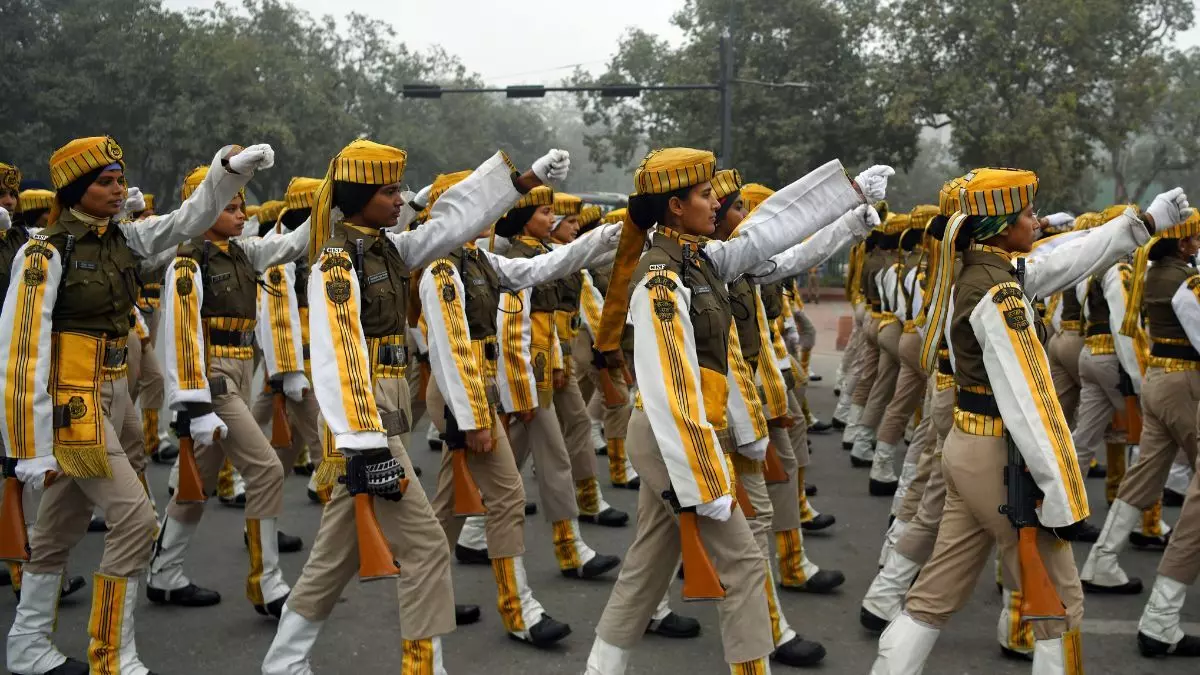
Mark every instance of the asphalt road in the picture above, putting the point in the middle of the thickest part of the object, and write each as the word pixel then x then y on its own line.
pixel 362 636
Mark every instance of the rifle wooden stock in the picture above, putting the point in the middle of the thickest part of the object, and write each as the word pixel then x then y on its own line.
pixel 466 493
pixel 613 398
pixel 743 499
pixel 14 539
pixel 375 559
pixel 627 373
pixel 191 486
pixel 700 580
pixel 1039 599
pixel 1133 420
pixel 281 431
pixel 773 471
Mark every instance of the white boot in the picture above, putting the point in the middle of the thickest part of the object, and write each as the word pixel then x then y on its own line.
pixel 1102 567
pixel 883 467
pixel 908 473
pixel 29 647
pixel 433 437
pixel 1012 633
pixel 885 598
pixel 1060 656
pixel 293 643
pixel 114 596
pixel 474 533
pixel 904 647
pixel 166 567
pixel 895 531
pixel 863 448
pixel 264 565
pixel 519 610
pixel 606 659
pixel 598 440
pixel 851 420
pixel 1160 619
pixel 1179 477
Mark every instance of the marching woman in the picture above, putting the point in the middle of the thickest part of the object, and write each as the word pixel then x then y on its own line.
pixel 683 326
pixel 530 365
pixel 358 310
pixel 1004 390
pixel 75 284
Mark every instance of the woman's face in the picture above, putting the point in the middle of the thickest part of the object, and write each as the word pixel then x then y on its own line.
pixel 567 230
pixel 105 196
pixel 8 200
pixel 1189 246
pixel 1019 236
pixel 539 223
pixel 384 208
pixel 232 219
pixel 696 213
pixel 732 218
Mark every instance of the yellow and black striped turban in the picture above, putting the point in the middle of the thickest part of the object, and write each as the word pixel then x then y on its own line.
pixel 269 211
pixel 33 200
pixel 567 205
pixel 300 192
pixel 363 162
pixel 614 216
pixel 541 195
pixel 81 156
pixel 670 169
pixel 754 194
pixel 726 182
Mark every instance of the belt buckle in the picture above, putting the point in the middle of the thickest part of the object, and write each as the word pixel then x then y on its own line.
pixel 246 339
pixel 114 357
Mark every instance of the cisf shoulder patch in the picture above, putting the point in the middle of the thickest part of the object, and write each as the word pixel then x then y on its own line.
pixel 1006 293
pixel 338 290
pixel 448 293
pixel 1194 283
pixel 661 280
pixel 1017 319
pixel 442 267
pixel 664 309
pixel 333 260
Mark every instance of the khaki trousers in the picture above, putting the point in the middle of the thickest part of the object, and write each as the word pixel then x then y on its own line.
pixel 303 416
pixel 971 525
pixel 651 559
pixel 883 384
pixel 615 418
pixel 868 362
pixel 1181 561
pixel 908 392
pixel 417 542
pixel 798 432
pixel 1063 353
pixel 498 479
pixel 784 514
pixel 416 401
pixel 924 451
pixel 571 410
pixel 246 447
pixel 542 438
pixel 66 507
pixel 1099 399
pixel 917 541
pixel 1168 426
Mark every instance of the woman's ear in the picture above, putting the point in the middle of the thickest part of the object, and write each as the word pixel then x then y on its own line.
pixel 675 206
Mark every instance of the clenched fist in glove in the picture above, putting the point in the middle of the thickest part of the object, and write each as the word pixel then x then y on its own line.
pixel 207 429
pixel 294 385
pixel 1169 209
pixel 33 472
pixel 552 167
pixel 1059 219
pixel 873 182
pixel 134 201
pixel 866 219
pixel 718 509
pixel 251 159
pixel 5 219
pixel 756 450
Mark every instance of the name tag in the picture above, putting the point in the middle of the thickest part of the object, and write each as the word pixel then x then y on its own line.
pixel 216 278
pixel 85 265
pixel 702 289
pixel 478 282
pixel 376 278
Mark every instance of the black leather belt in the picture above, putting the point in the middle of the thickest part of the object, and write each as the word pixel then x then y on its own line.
pixel 491 351
pixel 980 404
pixel 230 338
pixel 1182 352
pixel 151 292
pixel 1097 329
pixel 944 366
pixel 393 355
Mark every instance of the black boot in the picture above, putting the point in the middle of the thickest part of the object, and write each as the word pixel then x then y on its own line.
pixel 837 424
pixel 879 488
pixel 1145 542
pixel 810 490
pixel 314 497
pixel 1172 498
pixel 1084 532
pixel 273 608
pixel 595 567
pixel 304 469
pixel 97 524
pixel 1188 646
pixel 1097 471
pixel 68 667
pixel 675 626
pixel 470 556
pixel 601 451
pixel 630 485
pixel 165 454
pixel 820 522
pixel 609 517
pixel 824 581
pixel 545 632
pixel 188 596
pixel 799 653
pixel 871 622
pixel 1131 587
pixel 530 508
pixel 1015 655
pixel 465 615
pixel 285 542
pixel 820 427
pixel 72 585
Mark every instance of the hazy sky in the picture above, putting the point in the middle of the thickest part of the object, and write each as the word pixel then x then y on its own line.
pixel 542 42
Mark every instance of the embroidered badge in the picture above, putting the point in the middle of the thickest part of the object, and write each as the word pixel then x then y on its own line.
pixel 1017 319
pixel 338 290
pixel 183 286
pixel 76 407
pixel 34 276
pixel 664 309
pixel 113 150
pixel 448 293
pixel 37 249
pixel 186 264
pixel 1006 293
pixel 662 280
pixel 12 182
pixel 276 276
pixel 442 267
pixel 1194 283
pixel 332 261
pixel 539 367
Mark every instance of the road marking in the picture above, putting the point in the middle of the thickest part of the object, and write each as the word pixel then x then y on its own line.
pixel 1125 627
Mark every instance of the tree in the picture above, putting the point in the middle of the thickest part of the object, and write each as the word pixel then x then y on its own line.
pixel 829 109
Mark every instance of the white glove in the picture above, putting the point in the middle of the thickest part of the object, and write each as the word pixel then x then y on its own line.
pixel 1059 219
pixel 866 219
pixel 206 429
pixel 873 182
pixel 32 472
pixel 5 219
pixel 756 451
pixel 1169 209
pixel 421 199
pixel 134 201
pixel 294 385
pixel 718 509
pixel 552 167
pixel 253 158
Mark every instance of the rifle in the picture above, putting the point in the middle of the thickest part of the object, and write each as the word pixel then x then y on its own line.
pixel 613 397
pixel 375 559
pixel 743 498
pixel 14 538
pixel 466 492
pixel 700 579
pixel 281 430
pixel 773 471
pixel 191 487
pixel 1133 409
